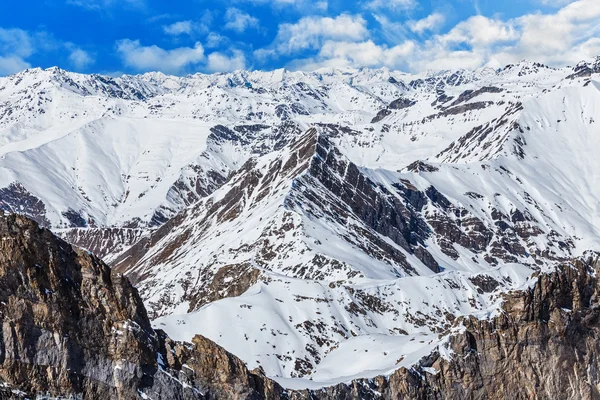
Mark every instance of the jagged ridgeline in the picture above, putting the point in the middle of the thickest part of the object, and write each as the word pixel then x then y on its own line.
pixel 323 227
pixel 72 328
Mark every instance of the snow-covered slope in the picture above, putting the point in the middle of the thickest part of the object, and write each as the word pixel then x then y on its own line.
pixel 339 221
pixel 155 143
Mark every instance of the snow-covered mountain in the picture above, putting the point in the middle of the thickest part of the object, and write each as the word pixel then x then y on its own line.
pixel 324 226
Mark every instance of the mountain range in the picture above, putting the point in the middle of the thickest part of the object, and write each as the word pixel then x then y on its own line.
pixel 324 227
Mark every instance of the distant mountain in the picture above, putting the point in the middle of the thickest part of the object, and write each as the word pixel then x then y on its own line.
pixel 299 219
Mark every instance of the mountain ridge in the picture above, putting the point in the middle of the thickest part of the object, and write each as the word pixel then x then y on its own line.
pixel 345 210
pixel 72 328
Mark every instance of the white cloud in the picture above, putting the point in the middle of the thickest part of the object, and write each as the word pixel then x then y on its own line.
pixel 564 37
pixel 239 21
pixel 365 54
pixel 481 31
pixel 15 46
pixel 567 36
pixel 178 28
pixel 12 64
pixel 80 58
pixel 178 61
pixel 312 32
pixel 437 57
pixel 556 3
pixel 189 28
pixel 393 5
pixel 102 5
pixel 430 23
pixel 148 58
pixel 214 39
pixel 219 62
pixel 16 42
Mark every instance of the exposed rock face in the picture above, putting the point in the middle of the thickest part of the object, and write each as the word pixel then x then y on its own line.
pixel 199 180
pixel 489 136
pixel 585 69
pixel 398 104
pixel 351 193
pixel 401 103
pixel 103 242
pixel 248 185
pixel 544 345
pixel 15 198
pixel 381 115
pixel 228 281
pixel 470 94
pixel 218 373
pixel 70 327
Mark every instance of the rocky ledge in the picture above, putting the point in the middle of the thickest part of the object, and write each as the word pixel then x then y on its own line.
pixel 72 328
pixel 544 344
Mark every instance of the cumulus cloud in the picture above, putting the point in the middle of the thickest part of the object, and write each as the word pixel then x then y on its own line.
pixel 148 58
pixel 80 59
pixel 214 39
pixel 189 28
pixel 16 45
pixel 563 37
pixel 219 62
pixel 312 32
pixel 102 5
pixel 16 42
pixel 393 5
pixel 430 23
pixel 481 31
pixel 12 64
pixel 364 54
pixel 179 60
pixel 178 28
pixel 239 21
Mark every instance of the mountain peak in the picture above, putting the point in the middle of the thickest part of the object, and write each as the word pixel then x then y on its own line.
pixel 356 195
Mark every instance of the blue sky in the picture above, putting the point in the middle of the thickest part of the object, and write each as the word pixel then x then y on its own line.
pixel 187 36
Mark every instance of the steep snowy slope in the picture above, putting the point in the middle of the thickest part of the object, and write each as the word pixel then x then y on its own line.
pixel 319 256
pixel 339 221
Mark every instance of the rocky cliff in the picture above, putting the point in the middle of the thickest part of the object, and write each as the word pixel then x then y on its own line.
pixel 543 345
pixel 72 328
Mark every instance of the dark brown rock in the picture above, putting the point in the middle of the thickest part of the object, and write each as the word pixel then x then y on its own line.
pixel 71 327
pixel 544 345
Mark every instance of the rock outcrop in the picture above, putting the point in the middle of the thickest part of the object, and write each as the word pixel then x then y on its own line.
pixel 71 328
pixel 543 345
